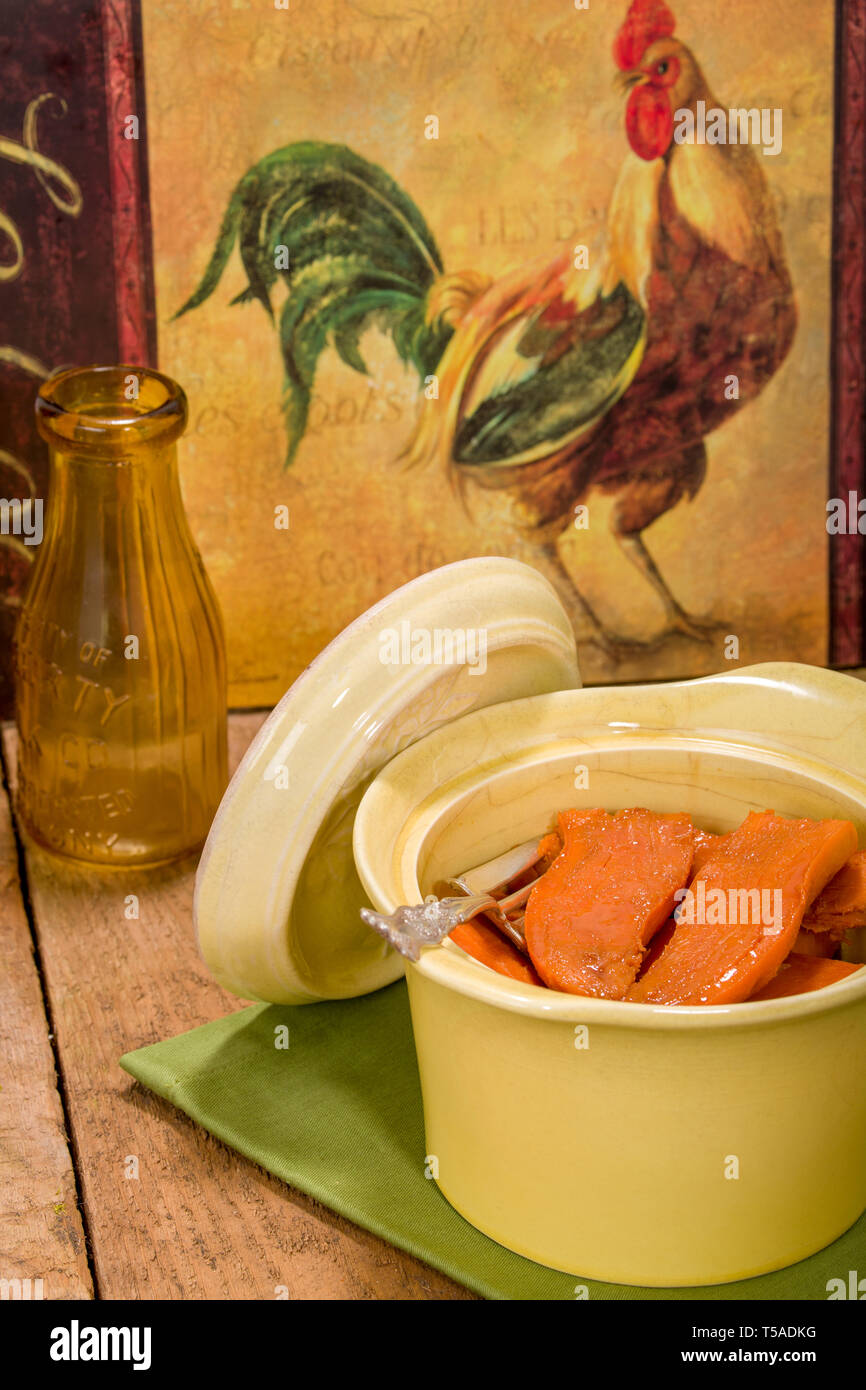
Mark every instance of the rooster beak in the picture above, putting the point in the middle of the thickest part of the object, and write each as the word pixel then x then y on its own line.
pixel 626 80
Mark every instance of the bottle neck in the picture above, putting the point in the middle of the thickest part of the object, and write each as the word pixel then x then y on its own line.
pixel 139 468
pixel 137 492
pixel 112 433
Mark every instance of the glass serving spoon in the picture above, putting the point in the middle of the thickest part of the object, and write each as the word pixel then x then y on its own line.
pixel 482 891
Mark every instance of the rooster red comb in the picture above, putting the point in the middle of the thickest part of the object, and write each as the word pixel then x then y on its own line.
pixel 646 21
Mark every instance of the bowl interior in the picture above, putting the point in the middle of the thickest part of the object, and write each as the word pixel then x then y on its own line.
pixel 715 785
pixel 474 817
pixel 777 737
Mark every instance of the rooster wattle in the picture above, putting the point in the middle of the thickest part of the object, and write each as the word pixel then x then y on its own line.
pixel 557 378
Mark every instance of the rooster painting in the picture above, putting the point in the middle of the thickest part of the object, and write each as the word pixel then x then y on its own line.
pixel 606 371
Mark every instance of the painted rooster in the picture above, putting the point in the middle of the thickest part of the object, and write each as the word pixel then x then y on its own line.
pixel 562 377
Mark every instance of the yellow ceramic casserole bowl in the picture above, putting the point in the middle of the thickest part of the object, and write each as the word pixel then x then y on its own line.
pixel 629 1142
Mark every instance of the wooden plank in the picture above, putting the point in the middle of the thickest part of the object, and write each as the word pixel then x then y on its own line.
pixel 198 1221
pixel 41 1233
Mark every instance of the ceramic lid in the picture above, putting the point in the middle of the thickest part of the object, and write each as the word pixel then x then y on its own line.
pixel 277 893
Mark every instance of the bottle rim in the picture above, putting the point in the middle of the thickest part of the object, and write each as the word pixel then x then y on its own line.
pixel 110 409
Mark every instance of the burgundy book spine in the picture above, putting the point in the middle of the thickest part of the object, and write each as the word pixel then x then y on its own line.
pixel 76 274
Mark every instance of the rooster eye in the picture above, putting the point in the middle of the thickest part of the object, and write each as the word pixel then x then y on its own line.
pixel 662 69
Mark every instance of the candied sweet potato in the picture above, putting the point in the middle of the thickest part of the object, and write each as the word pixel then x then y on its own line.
pixel 589 919
pixel 705 842
pixel 720 954
pixel 657 945
pixel 842 904
pixel 802 974
pixel 817 943
pixel 484 943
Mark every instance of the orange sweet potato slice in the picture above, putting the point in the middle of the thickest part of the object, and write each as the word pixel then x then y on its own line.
pixel 712 961
pixel 842 904
pixel 817 943
pixel 657 945
pixel 705 842
pixel 549 849
pixel 589 919
pixel 802 974
pixel 484 943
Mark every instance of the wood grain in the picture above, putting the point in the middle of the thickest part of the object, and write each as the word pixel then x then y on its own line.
pixel 41 1234
pixel 199 1221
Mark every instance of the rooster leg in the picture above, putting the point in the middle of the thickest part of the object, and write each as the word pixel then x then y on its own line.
pixel 678 619
pixel 641 500
pixel 579 608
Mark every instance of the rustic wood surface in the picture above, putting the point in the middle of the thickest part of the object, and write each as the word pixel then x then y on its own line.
pixel 198 1221
pixel 79 987
pixel 41 1235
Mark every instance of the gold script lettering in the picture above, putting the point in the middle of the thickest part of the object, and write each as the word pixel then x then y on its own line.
pixel 58 183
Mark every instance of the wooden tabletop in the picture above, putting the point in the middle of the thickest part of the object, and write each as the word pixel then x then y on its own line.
pixel 81 985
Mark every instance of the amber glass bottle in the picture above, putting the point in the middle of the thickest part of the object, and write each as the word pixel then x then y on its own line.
pixel 120 659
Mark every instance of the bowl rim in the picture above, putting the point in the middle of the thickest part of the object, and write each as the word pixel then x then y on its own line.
pixel 452 968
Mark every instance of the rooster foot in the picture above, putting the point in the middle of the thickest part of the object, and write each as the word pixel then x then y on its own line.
pixel 623 648
pixel 678 620
pixel 700 629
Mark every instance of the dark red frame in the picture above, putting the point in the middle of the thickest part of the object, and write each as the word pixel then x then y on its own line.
pixel 133 249
pixel 848 359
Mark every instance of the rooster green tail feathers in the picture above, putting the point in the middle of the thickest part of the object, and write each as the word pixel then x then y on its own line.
pixel 353 250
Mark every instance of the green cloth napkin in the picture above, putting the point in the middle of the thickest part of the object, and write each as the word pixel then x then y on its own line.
pixel 337 1113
